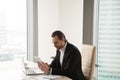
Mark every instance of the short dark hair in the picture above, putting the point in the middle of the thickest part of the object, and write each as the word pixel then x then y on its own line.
pixel 59 34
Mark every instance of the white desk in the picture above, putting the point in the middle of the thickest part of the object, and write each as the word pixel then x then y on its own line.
pixel 12 71
pixel 41 77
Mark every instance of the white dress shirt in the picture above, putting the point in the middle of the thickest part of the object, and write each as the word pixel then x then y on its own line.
pixel 62 51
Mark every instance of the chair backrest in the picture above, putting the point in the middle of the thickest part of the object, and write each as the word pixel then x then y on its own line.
pixel 88 60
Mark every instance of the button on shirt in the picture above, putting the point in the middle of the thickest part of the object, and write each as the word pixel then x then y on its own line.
pixel 62 51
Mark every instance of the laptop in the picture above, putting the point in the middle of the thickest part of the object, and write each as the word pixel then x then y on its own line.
pixel 31 70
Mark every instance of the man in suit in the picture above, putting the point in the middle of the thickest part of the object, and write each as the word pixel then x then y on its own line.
pixel 67 61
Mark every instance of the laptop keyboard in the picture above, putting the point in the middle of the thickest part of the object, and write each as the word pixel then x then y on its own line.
pixel 34 71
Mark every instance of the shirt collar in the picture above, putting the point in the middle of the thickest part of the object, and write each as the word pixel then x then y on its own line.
pixel 63 49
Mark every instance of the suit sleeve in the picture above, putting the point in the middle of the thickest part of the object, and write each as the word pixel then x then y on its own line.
pixel 53 63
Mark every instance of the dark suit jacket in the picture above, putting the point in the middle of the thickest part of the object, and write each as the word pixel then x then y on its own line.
pixel 71 65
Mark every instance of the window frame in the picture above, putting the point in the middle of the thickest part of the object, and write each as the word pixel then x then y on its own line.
pixel 32 29
pixel 96 33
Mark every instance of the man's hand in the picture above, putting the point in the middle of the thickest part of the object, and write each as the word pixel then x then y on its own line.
pixel 44 67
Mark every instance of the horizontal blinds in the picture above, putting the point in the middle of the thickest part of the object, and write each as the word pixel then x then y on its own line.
pixel 3 35
pixel 109 40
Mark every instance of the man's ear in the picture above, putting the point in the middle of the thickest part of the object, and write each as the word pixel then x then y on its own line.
pixel 63 39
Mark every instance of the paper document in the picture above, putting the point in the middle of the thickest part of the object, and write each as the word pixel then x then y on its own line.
pixel 37 59
pixel 52 77
pixel 34 71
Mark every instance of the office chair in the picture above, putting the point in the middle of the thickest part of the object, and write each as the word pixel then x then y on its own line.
pixel 88 60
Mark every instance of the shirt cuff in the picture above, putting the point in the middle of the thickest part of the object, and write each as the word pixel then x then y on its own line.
pixel 50 71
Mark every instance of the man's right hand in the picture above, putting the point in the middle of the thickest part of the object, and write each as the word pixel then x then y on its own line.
pixel 44 67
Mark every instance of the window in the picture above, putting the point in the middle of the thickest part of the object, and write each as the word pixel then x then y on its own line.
pixel 13 29
pixel 109 40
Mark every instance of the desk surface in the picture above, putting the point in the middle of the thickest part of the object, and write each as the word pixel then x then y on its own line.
pixel 12 71
pixel 41 77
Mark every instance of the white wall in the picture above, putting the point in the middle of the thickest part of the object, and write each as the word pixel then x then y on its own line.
pixel 71 20
pixel 47 23
pixel 65 15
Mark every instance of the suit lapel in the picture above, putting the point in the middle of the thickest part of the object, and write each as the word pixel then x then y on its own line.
pixel 65 55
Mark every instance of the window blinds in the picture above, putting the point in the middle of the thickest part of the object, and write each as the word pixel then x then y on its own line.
pixel 109 40
pixel 3 35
